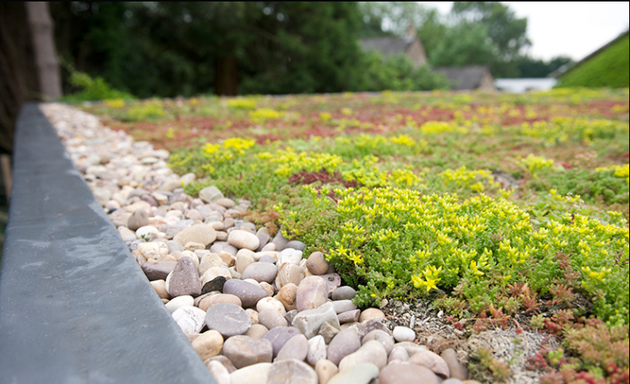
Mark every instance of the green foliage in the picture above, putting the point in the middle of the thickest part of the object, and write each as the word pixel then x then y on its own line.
pixel 463 44
pixel 608 68
pixel 391 240
pixel 397 74
pixel 147 110
pixel 507 33
pixel 92 89
pixel 537 68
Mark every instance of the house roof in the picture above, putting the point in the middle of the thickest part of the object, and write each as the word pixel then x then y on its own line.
pixel 568 68
pixel 387 46
pixel 464 77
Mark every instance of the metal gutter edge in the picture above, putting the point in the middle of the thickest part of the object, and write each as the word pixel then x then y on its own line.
pixel 74 305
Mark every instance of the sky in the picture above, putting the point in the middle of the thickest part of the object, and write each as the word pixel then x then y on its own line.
pixel 561 28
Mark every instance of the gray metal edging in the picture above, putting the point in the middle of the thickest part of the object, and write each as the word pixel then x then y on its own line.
pixel 74 305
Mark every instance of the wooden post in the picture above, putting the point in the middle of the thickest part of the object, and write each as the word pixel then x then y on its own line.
pixel 41 27
pixel 5 164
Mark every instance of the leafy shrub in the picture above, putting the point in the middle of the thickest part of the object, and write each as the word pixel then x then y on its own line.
pixel 92 89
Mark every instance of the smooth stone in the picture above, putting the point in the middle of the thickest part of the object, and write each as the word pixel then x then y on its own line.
pixel 317 264
pixel 350 325
pixel 227 258
pixel 215 284
pixel 153 250
pixel 371 313
pixel 398 353
pixel 333 281
pixel 286 295
pixel 210 194
pixel 280 241
pixel 213 273
pixel 249 293
pixel 200 233
pixel 222 246
pixel 138 219
pixel 344 293
pixel 404 334
pixel 269 289
pixel 253 315
pixel 343 344
pixel 290 315
pixel 316 350
pixel 271 319
pixel 289 274
pixel 267 259
pixel 311 293
pixel 358 374
pixel 158 270
pixel 260 272
pixel 382 337
pixel 189 319
pixel 174 246
pixel 184 280
pixel 225 202
pixel 219 372
pixel 325 370
pixel 244 351
pixel 224 361
pixel 431 360
pixel 208 261
pixel 456 368
pixel 370 325
pixel 309 321
pixel 343 305
pixel 160 288
pixel 264 239
pixel 126 234
pixel 189 254
pixel 371 352
pixel 147 231
pixel 411 348
pixel 271 247
pixel 179 302
pixel 243 239
pixel 407 373
pixel 289 256
pixel 208 344
pixel 295 244
pixel 349 316
pixel 279 336
pixel 257 331
pixel 244 260
pixel 253 374
pixel 328 331
pixel 291 371
pixel 271 303
pixel 295 348
pixel 221 298
pixel 228 319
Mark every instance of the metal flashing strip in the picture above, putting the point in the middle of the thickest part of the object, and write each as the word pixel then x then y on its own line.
pixel 75 307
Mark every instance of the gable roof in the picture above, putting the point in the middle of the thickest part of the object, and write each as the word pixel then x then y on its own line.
pixel 464 78
pixel 387 46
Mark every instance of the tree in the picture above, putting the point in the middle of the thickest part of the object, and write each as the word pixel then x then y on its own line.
pixel 532 68
pixel 463 44
pixel 506 32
